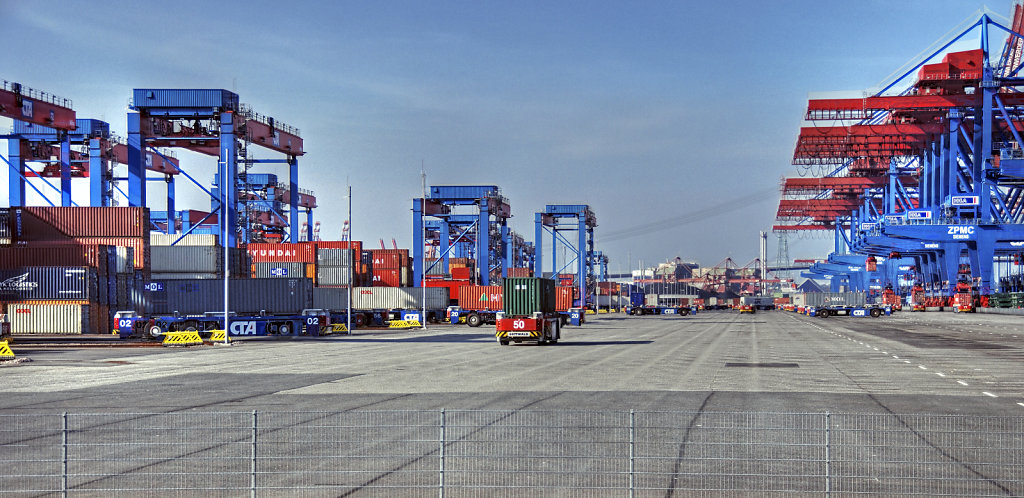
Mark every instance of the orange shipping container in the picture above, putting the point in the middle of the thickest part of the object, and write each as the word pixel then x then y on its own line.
pixel 53 223
pixel 520 272
pixel 480 297
pixel 563 298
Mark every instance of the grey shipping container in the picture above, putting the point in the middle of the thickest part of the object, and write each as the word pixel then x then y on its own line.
pixel 278 270
pixel 186 259
pixel 333 299
pixel 197 259
pixel 50 318
pixel 49 282
pixel 834 299
pixel 333 275
pixel 334 257
pixel 367 298
pixel 279 296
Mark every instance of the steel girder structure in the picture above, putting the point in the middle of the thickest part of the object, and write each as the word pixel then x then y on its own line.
pixel 483 234
pixel 93 151
pixel 262 199
pixel 960 200
pixel 578 218
pixel 214 123
pixel 25 105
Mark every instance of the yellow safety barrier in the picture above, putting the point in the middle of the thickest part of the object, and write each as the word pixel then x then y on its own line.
pixel 185 338
pixel 339 327
pixel 590 312
pixel 602 312
pixel 218 336
pixel 403 324
pixel 5 351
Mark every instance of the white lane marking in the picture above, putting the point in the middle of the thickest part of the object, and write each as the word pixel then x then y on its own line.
pixel 940 374
pixel 897 357
pixel 922 367
pixel 962 383
pixel 1021 404
pixel 876 349
pixel 986 393
pixel 906 361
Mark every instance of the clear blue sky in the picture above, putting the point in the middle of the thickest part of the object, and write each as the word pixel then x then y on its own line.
pixel 674 114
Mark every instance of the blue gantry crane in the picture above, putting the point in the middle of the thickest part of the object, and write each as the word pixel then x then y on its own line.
pixel 211 122
pixel 948 145
pixel 93 150
pixel 481 234
pixel 556 220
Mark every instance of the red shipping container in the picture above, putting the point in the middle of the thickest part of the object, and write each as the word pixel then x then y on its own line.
pixel 563 298
pixel 480 297
pixel 387 278
pixel 302 252
pixel 51 223
pixel 463 274
pixel 357 245
pixel 390 258
pixel 454 288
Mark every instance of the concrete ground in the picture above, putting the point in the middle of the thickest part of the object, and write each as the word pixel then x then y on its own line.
pixel 936 363
pixel 716 404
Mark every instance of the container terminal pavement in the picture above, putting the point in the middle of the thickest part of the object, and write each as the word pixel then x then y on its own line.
pixel 900 377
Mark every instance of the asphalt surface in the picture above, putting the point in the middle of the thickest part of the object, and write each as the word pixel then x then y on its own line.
pixel 935 363
pixel 718 404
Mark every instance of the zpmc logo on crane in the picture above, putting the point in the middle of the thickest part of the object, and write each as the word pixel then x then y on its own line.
pixel 960 232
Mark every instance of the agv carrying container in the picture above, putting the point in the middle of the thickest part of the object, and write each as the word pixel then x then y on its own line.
pixel 524 296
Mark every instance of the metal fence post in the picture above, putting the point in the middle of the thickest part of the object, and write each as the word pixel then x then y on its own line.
pixel 64 455
pixel 440 450
pixel 828 454
pixel 252 463
pixel 632 454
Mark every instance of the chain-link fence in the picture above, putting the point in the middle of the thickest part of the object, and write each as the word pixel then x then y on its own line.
pixel 510 453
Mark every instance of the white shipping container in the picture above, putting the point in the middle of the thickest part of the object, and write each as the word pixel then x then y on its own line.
pixel 366 298
pixel 49 318
pixel 125 260
pixel 186 276
pixel 165 239
pixel 334 257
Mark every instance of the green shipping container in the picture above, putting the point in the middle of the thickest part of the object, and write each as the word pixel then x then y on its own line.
pixel 525 296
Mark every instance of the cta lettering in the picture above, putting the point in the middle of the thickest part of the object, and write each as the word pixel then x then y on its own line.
pixel 243 328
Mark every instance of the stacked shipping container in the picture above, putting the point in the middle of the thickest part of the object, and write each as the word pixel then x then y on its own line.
pixel 390 267
pixel 106 247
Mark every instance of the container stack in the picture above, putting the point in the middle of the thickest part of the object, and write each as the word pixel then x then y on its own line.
pixel 334 267
pixel 283 260
pixel 390 267
pixel 67 270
